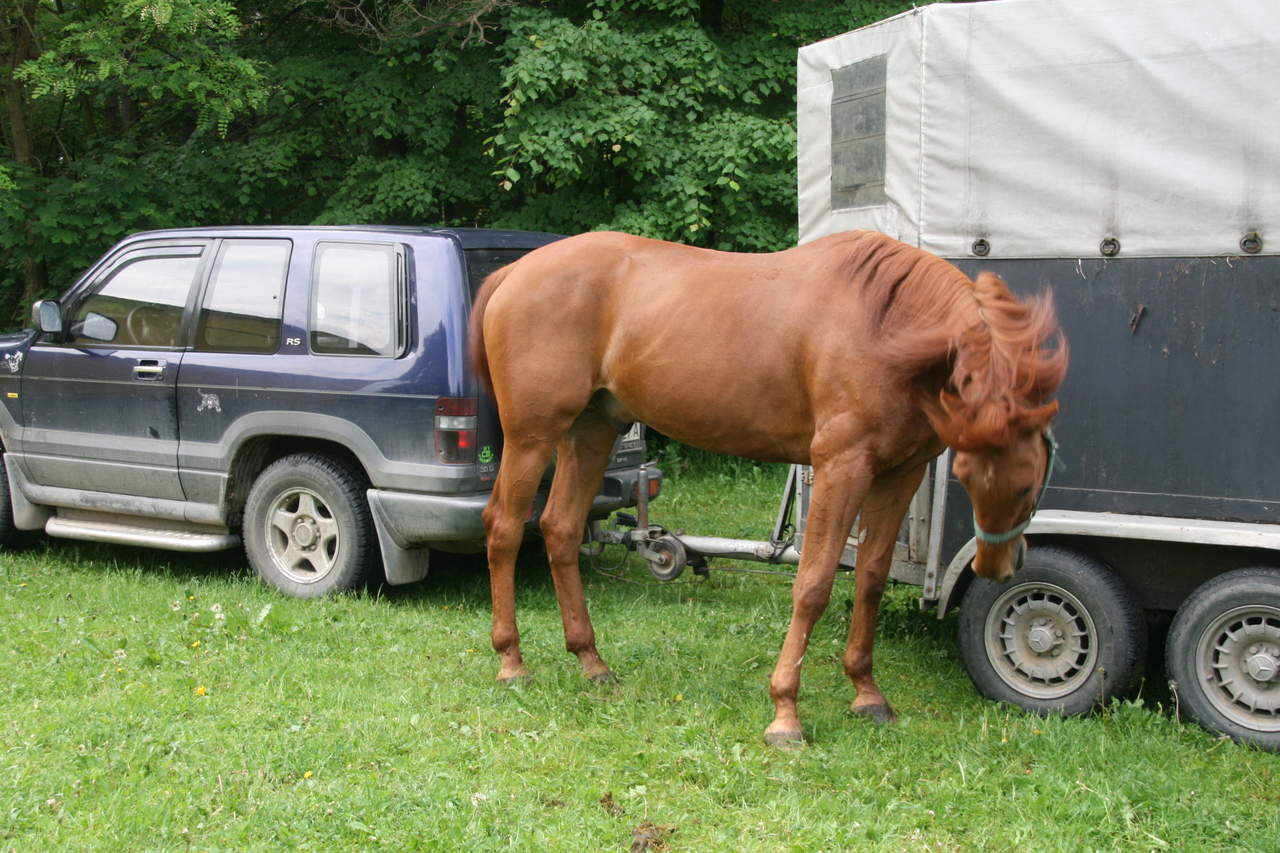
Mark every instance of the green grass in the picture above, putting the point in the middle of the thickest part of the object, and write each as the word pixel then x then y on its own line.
pixel 133 718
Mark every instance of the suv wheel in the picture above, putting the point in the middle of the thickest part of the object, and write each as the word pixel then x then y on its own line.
pixel 307 528
pixel 6 505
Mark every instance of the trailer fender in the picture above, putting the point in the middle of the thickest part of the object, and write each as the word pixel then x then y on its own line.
pixel 956 578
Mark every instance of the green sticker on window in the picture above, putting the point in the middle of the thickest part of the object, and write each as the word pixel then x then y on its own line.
pixel 486 455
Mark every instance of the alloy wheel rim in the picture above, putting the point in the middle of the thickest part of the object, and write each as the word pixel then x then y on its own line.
pixel 1239 666
pixel 302 535
pixel 1041 640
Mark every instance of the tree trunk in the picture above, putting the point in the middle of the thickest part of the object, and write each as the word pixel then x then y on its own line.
pixel 21 44
pixel 20 38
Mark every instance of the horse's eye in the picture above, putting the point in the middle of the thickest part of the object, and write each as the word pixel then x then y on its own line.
pixel 1025 492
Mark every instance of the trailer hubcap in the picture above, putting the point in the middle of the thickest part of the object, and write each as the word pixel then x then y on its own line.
pixel 1041 640
pixel 1261 663
pixel 1239 655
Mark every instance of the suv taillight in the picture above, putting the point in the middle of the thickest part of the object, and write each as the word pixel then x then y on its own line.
pixel 456 422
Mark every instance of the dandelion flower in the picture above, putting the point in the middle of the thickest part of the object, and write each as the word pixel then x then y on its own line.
pixel 195 644
pixel 306 775
pixel 200 691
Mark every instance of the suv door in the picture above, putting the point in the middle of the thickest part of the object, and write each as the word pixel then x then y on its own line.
pixel 98 400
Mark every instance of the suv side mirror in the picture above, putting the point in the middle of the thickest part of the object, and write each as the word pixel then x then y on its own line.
pixel 46 315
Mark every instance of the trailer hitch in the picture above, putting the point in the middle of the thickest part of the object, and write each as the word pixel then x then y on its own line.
pixel 662 551
pixel 667 554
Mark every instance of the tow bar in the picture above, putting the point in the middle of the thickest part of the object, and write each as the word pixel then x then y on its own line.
pixel 666 554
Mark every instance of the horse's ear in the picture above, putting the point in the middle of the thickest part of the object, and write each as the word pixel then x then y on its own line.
pixel 944 416
pixel 1036 420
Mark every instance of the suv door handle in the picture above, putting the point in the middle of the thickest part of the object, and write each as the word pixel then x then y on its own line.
pixel 149 369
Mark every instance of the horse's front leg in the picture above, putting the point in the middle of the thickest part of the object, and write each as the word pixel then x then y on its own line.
pixel 882 514
pixel 839 487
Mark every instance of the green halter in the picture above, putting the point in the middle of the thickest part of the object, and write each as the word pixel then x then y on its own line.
pixel 1053 464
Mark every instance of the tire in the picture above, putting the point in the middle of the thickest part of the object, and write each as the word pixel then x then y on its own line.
pixel 307 527
pixel 1016 639
pixel 7 528
pixel 1223 655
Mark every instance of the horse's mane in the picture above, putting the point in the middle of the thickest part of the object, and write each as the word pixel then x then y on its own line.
pixel 1000 356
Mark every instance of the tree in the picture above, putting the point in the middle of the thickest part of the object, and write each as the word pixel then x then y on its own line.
pixel 667 118
pixel 670 118
pixel 92 90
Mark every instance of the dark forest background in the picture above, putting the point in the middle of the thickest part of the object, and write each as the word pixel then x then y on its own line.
pixel 668 118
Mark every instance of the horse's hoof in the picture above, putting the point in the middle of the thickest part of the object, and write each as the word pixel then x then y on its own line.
pixel 784 740
pixel 881 714
pixel 605 677
pixel 517 680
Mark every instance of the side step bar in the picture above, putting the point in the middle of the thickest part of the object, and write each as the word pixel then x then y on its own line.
pixel 195 541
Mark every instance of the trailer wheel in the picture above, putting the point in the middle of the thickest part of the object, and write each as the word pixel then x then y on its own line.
pixel 1223 654
pixel 1065 636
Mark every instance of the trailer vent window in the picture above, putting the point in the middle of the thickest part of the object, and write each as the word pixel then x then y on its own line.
pixel 857 134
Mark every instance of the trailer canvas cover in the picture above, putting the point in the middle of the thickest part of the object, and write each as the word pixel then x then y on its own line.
pixel 1045 127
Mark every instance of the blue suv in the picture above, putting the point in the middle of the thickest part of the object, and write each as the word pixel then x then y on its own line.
pixel 305 390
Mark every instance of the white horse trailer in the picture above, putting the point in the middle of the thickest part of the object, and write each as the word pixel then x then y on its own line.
pixel 1127 154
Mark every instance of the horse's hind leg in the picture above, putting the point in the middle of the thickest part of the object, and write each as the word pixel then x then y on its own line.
pixel 524 460
pixel 581 460
pixel 882 514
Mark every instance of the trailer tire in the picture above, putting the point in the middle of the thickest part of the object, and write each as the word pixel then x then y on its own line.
pixel 1223 656
pixel 1065 636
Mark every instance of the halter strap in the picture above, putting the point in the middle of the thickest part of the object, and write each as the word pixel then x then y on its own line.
pixel 1053 464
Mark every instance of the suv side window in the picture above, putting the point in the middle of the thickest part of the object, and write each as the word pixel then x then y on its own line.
pixel 245 298
pixel 358 295
pixel 141 300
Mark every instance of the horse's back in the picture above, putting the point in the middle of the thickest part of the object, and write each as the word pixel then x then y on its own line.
pixel 715 349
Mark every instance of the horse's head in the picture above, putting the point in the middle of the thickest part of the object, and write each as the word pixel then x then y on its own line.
pixel 1005 481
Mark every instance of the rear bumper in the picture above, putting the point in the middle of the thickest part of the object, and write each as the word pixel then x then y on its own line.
pixel 453 522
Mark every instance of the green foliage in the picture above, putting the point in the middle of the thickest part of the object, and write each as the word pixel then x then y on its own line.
pixel 669 118
pixel 641 118
pixel 155 49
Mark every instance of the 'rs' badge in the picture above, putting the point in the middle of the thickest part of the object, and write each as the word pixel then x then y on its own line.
pixel 208 401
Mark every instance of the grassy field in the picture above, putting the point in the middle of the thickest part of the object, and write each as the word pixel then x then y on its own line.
pixel 161 702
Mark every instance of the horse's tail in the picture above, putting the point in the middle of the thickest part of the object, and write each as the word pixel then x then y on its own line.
pixel 477 355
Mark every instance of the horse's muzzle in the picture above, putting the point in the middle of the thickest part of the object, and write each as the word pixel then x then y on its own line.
pixel 999 563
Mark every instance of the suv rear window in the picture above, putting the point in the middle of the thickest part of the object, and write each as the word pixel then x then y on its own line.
pixel 358 295
pixel 482 262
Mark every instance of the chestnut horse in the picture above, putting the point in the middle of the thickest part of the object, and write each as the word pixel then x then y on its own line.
pixel 856 354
